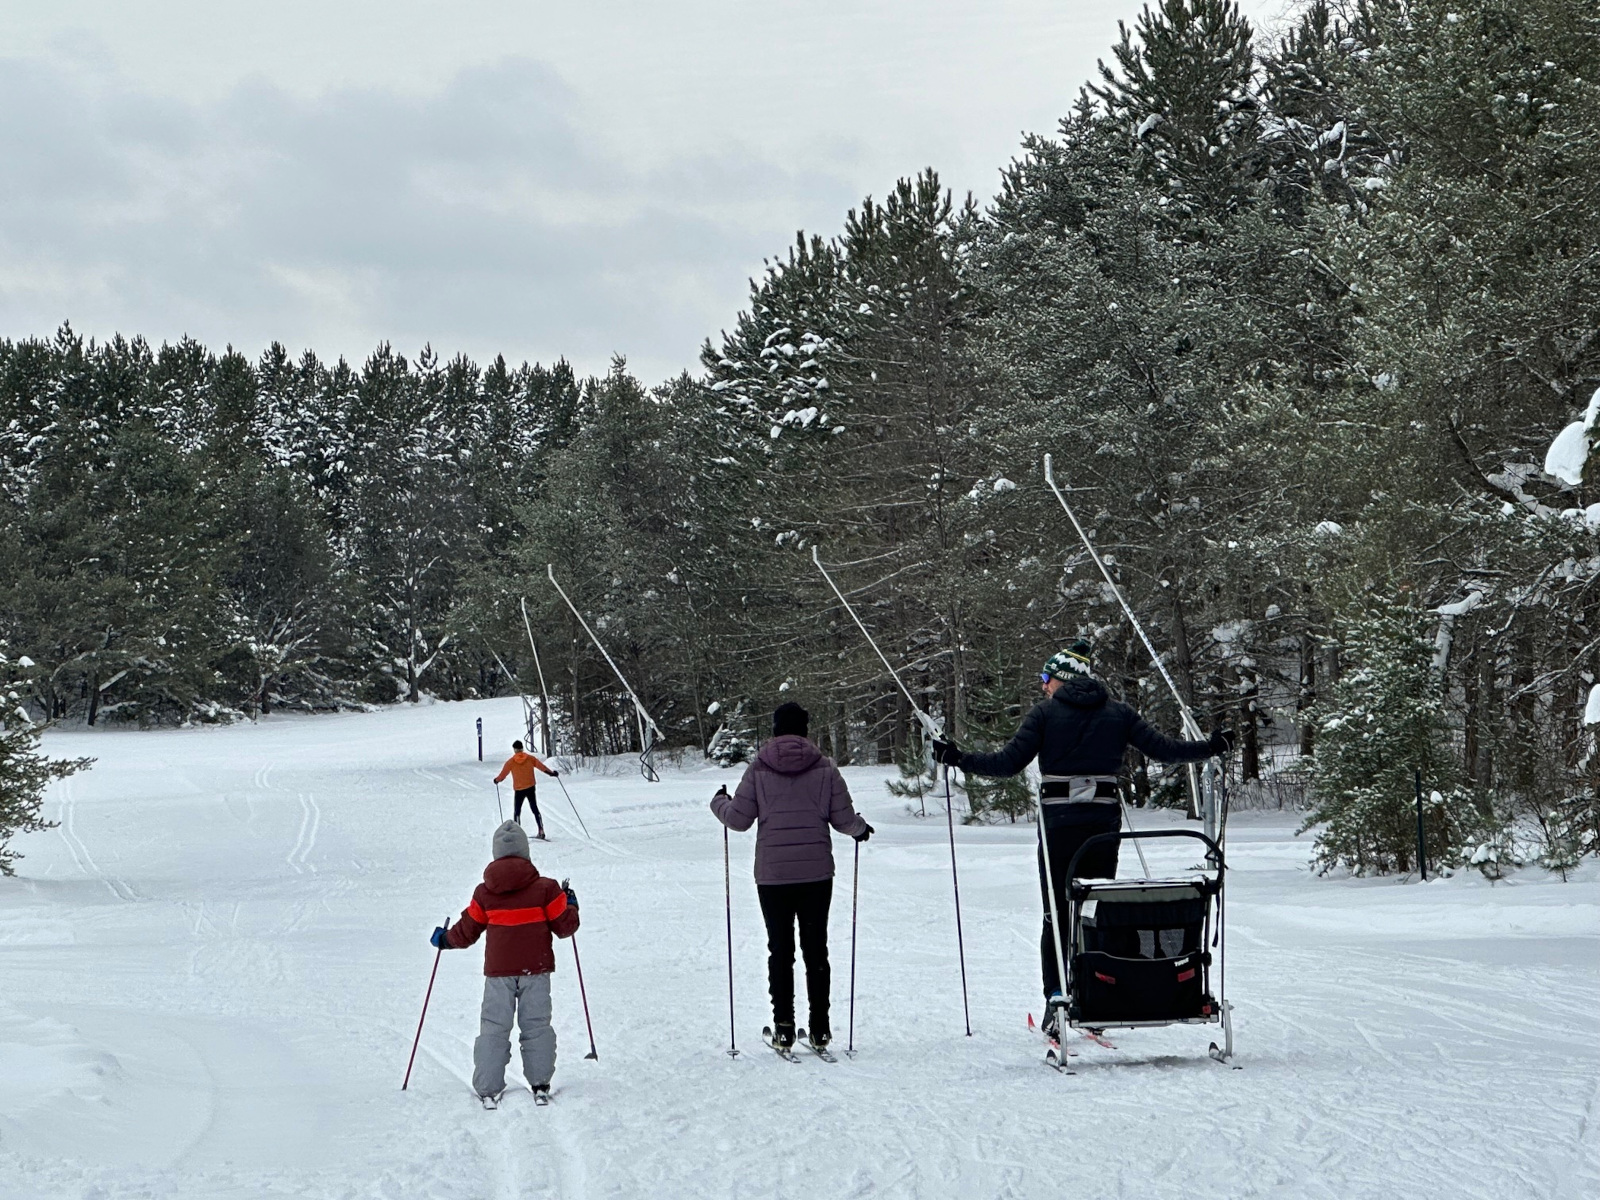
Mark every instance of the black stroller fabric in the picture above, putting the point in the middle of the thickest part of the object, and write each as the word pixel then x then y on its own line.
pixel 1142 960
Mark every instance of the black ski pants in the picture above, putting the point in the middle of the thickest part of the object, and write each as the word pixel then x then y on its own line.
pixel 533 803
pixel 783 905
pixel 1067 826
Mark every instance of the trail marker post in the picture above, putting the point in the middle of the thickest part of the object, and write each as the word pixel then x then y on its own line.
pixel 1422 845
pixel 480 739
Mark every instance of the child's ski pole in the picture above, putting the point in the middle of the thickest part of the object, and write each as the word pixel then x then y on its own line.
pixel 578 962
pixel 418 1039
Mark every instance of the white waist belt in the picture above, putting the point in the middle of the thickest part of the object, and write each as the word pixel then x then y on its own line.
pixel 1081 789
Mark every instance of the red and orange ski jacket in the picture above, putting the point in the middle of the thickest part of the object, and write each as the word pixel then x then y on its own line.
pixel 521 909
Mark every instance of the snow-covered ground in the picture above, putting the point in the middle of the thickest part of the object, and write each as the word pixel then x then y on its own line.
pixel 212 972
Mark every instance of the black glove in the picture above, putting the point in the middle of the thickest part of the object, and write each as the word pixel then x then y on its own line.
pixel 947 753
pixel 866 832
pixel 555 774
pixel 1222 742
pixel 722 791
pixel 440 932
pixel 572 896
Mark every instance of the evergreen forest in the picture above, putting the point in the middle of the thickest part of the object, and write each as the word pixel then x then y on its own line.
pixel 1299 317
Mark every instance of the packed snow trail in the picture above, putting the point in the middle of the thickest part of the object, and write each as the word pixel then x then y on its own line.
pixel 213 970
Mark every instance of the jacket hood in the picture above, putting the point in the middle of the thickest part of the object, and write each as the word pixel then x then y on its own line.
pixel 1082 691
pixel 509 874
pixel 789 754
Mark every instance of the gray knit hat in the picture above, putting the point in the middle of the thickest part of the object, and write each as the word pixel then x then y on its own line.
pixel 510 841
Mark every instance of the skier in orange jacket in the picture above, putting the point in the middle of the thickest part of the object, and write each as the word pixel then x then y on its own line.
pixel 521 766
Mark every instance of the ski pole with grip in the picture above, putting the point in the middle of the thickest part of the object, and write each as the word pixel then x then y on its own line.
pixel 417 1041
pixel 1191 727
pixel 855 904
pixel 727 893
pixel 931 728
pixel 582 992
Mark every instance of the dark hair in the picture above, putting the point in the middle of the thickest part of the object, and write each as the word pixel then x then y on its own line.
pixel 790 718
pixel 516 745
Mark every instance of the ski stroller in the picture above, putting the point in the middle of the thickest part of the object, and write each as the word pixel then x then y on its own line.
pixel 1139 951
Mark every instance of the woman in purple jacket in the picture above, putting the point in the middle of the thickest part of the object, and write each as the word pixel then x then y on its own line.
pixel 796 794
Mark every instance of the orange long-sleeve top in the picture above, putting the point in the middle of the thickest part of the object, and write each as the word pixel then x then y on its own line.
pixel 521 766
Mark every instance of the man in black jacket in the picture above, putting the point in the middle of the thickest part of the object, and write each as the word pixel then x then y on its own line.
pixel 1079 735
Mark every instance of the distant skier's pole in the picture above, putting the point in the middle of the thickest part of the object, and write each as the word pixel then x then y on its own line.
pixel 1190 725
pixel 640 710
pixel 497 803
pixel 1422 845
pixel 544 694
pixel 428 996
pixel 961 949
pixel 932 730
pixel 855 904
pixel 727 901
pixel 574 808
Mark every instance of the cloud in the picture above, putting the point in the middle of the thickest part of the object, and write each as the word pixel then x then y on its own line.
pixel 477 217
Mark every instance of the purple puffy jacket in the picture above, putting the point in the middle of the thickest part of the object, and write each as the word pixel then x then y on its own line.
pixel 796 793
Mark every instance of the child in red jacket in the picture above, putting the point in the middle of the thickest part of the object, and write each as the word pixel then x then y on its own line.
pixel 521 909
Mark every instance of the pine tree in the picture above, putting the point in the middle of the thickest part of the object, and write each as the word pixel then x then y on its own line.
pixel 1384 722
pixel 24 772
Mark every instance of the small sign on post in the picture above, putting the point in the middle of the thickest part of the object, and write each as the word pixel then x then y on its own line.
pixel 480 741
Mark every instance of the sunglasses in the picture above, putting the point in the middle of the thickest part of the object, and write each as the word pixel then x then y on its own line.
pixel 1045 677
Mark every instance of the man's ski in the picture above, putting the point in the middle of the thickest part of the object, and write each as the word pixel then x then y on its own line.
pixel 1098 1038
pixel 782 1051
pixel 1055 1055
pixel 821 1052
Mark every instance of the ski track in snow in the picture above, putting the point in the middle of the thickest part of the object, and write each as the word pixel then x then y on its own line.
pixel 241 1031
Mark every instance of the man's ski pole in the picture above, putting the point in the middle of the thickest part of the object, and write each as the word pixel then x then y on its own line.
pixel 932 730
pixel 727 894
pixel 497 803
pixel 961 948
pixel 855 902
pixel 1204 803
pixel 428 996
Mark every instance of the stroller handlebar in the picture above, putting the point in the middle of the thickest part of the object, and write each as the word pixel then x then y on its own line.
pixel 1128 835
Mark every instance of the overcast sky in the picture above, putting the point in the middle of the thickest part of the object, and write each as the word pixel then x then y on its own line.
pixel 537 179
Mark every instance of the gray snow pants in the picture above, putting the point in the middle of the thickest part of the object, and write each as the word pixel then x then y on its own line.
pixel 527 998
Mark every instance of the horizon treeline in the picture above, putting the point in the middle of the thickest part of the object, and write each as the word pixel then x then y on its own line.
pixel 1297 317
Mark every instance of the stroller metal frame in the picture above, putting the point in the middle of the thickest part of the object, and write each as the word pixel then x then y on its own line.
pixel 1205 885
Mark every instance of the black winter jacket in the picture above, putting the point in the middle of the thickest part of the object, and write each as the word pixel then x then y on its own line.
pixel 1081 731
